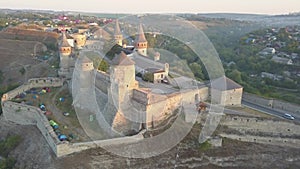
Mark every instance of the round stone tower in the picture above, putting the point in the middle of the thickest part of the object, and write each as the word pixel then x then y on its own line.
pixel 65 51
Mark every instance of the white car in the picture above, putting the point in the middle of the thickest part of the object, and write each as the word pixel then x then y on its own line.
pixel 288 116
pixel 66 113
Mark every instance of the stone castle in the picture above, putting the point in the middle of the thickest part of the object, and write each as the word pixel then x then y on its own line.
pixel 130 107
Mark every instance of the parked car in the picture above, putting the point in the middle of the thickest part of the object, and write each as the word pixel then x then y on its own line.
pixel 62 137
pixel 53 124
pixel 288 116
pixel 66 113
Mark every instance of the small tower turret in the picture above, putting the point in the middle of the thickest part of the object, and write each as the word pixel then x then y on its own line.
pixel 65 48
pixel 141 43
pixel 65 51
pixel 118 34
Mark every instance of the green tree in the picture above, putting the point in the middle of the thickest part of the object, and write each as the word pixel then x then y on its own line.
pixel 148 77
pixel 235 75
pixel 22 70
pixel 197 70
pixel 8 163
pixel 103 66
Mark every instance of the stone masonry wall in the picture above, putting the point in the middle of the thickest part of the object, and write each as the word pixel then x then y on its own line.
pixel 265 140
pixel 261 125
pixel 29 115
pixel 159 111
pixel 260 130
pixel 36 82
pixel 65 149
pixel 102 81
pixel 273 103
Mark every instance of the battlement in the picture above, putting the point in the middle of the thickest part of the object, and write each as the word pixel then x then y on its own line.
pixel 32 83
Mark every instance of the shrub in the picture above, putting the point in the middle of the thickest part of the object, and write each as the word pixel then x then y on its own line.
pixel 205 146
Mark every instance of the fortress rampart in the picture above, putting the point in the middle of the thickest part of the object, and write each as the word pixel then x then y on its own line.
pixel 29 115
pixel 32 83
pixel 272 103
pixel 258 130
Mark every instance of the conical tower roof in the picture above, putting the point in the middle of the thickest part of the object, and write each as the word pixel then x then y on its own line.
pixel 117 28
pixel 122 59
pixel 64 41
pixel 85 59
pixel 140 38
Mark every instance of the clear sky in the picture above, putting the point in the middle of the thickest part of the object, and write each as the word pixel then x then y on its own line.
pixel 160 6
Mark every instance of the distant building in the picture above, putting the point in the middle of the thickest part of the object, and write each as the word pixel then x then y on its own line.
pixel 282 60
pixel 79 40
pixel 271 76
pixel 159 75
pixel 268 51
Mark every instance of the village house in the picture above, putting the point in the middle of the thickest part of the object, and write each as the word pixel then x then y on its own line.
pixel 268 51
pixel 271 76
pixel 282 60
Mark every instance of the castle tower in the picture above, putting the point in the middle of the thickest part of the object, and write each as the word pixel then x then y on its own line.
pixel 141 43
pixel 64 47
pixel 118 34
pixel 82 83
pixel 87 69
pixel 65 51
pixel 122 75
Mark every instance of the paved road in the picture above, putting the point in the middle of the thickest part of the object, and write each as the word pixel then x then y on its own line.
pixel 270 111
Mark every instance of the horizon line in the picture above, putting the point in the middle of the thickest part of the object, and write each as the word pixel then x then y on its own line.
pixel 154 12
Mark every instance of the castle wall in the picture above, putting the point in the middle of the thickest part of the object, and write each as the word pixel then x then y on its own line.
pixel 273 103
pixel 65 149
pixel 32 83
pixel 162 109
pixel 140 96
pixel 259 130
pixel 102 81
pixel 265 140
pixel 159 111
pixel 227 97
pixel 261 125
pixel 29 115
